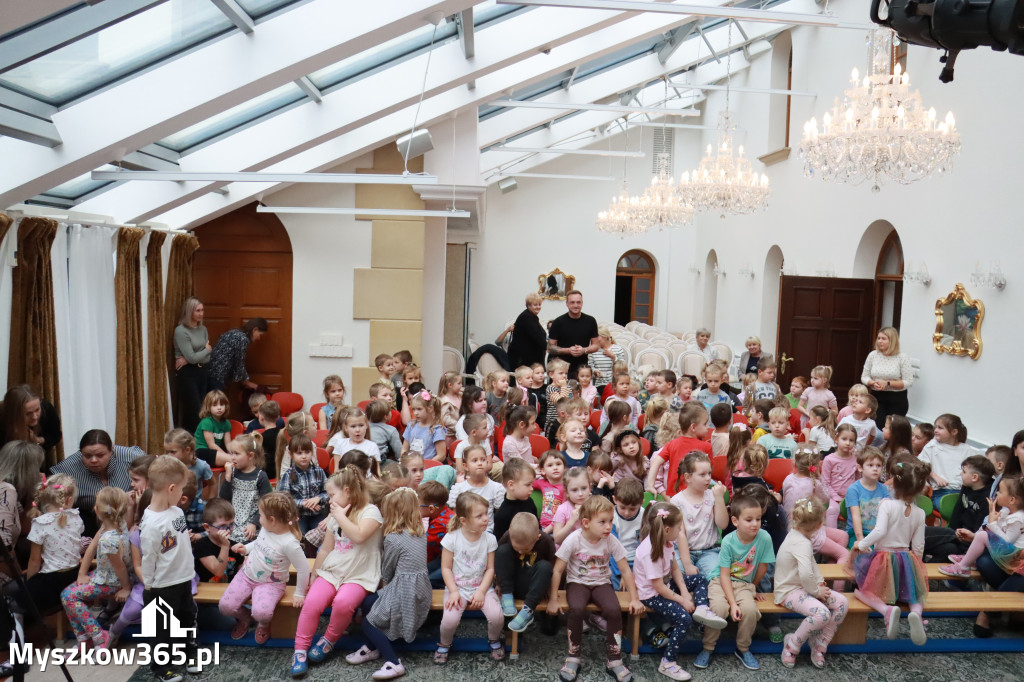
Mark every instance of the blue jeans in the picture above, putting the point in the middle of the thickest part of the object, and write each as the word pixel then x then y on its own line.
pixel 434 571
pixel 308 523
pixel 616 578
pixel 706 560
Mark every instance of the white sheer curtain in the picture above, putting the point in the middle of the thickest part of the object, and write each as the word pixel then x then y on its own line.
pixel 7 249
pixel 86 328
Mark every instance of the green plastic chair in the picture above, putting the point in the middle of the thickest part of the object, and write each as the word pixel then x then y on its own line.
pixel 946 505
pixel 538 500
pixel 651 497
pixel 925 503
pixel 842 514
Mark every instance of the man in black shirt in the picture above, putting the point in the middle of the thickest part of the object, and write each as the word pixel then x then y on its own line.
pixel 573 336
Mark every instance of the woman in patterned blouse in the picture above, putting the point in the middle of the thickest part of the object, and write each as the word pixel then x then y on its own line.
pixel 888 374
pixel 227 363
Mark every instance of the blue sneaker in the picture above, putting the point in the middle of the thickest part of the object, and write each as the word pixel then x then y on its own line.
pixel 508 605
pixel 748 660
pixel 298 664
pixel 522 620
pixel 703 659
pixel 321 650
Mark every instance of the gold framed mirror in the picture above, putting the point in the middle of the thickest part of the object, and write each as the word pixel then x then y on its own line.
pixel 958 320
pixel 555 284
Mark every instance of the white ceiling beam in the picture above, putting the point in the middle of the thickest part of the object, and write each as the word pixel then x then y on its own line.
pixel 771 15
pixel 330 210
pixel 509 53
pixel 142 161
pixel 570 151
pixel 675 39
pixel 308 87
pixel 35 131
pixel 579 106
pixel 236 15
pixel 204 82
pixel 311 178
pixel 63 29
pixel 572 76
pixel 704 37
pixel 29 105
pixel 467 39
pixel 756 91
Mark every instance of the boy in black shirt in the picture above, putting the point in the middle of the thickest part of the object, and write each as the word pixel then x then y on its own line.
pixel 523 563
pixel 212 551
pixel 970 512
pixel 517 476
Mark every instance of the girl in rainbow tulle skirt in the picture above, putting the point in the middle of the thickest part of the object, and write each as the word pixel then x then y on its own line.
pixel 1004 537
pixel 892 572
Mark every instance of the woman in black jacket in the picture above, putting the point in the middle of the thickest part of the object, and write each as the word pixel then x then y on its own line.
pixel 529 341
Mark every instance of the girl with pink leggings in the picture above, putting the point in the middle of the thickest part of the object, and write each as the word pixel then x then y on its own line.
pixel 805 483
pixel 347 567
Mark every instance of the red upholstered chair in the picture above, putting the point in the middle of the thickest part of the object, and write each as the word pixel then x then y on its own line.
pixel 431 463
pixel 289 402
pixel 539 445
pixel 396 421
pixel 362 405
pixel 320 438
pixel 640 423
pixel 315 411
pixel 237 429
pixel 794 421
pixel 323 459
pixel 718 468
pixel 595 420
pixel 645 447
pixel 777 471
pixel 740 418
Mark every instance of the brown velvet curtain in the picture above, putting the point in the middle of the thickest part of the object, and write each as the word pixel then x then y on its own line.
pixel 179 288
pixel 33 357
pixel 158 417
pixel 5 223
pixel 131 398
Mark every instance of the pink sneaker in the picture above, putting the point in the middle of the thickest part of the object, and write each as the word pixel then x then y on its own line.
pixel 955 571
pixel 262 633
pixel 788 655
pixel 102 640
pixel 241 627
pixel 389 671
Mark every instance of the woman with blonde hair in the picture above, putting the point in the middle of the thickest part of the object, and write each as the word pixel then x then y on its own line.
pixel 888 374
pixel 529 340
pixel 192 352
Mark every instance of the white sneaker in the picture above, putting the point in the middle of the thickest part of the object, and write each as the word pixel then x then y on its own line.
pixel 709 618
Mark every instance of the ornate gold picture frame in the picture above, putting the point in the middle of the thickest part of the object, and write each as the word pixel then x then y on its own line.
pixel 555 284
pixel 958 320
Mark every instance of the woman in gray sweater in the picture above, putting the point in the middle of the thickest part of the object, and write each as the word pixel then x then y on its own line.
pixel 191 355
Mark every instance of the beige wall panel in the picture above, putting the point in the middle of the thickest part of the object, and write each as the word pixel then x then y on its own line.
pixel 454 296
pixel 391 336
pixel 362 379
pixel 397 244
pixel 387 294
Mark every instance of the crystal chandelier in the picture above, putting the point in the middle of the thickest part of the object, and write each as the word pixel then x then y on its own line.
pixel 621 217
pixel 662 204
pixel 725 182
pixel 881 129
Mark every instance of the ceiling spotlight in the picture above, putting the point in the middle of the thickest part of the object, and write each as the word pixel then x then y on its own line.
pixel 507 185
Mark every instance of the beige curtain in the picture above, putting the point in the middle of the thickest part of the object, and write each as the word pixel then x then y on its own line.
pixel 33 355
pixel 158 417
pixel 179 288
pixel 131 399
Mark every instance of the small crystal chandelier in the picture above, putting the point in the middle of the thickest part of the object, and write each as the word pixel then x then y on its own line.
pixel 662 204
pixel 725 182
pixel 881 129
pixel 621 217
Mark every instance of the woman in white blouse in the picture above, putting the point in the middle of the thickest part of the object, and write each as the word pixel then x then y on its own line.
pixel 888 374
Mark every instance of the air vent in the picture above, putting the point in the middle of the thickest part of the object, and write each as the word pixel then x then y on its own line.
pixel 661 150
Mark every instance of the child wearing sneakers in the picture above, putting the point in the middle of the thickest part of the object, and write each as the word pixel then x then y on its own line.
pixel 523 563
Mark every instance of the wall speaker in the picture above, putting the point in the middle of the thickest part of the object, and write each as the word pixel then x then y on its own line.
pixel 507 185
pixel 416 144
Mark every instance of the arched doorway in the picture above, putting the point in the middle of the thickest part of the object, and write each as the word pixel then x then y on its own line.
pixel 770 298
pixel 634 288
pixel 242 270
pixel 889 283
pixel 710 292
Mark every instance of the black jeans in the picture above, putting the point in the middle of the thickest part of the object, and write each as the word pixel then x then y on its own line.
pixel 193 383
pixel 45 589
pixel 532 583
pixel 178 599
pixel 940 542
pixel 890 402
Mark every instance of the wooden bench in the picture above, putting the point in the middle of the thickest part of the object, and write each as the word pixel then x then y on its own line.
pixel 286 616
pixel 831 572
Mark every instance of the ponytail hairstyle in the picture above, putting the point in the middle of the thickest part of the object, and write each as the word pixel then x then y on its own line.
pixel 297 423
pixel 252 444
pixel 656 408
pixel 755 459
pixel 394 473
pixel 739 439
pixel 212 399
pixel 518 415
pixel 447 380
pixel 808 514
pixel 668 430
pixel 658 517
pixel 492 379
pixel 369 466
pixel 470 395
pixel 184 442
pixel 900 434
pixel 58 492
pixel 807 461
pixel 828 419
pixel 823 371
pixel 514 398
pixel 955 427
pixel 910 476
pixel 465 505
pixel 429 403
pixel 401 511
pixel 143 504
pixel 111 505
pixel 281 507
pixel 354 480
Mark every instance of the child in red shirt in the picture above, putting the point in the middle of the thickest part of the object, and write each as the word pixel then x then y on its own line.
pixel 693 420
pixel 436 516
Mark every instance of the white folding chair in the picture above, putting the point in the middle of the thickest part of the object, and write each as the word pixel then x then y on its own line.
pixel 632 325
pixel 691 362
pixel 654 356
pixel 635 347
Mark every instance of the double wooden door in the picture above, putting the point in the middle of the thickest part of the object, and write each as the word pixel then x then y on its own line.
pixel 825 321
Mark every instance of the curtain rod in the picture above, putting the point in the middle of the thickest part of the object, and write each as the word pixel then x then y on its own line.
pixel 85 219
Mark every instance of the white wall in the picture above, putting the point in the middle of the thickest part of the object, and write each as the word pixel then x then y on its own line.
pixel 950 222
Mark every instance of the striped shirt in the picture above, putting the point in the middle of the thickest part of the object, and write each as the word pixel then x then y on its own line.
pixel 599 362
pixel 89 483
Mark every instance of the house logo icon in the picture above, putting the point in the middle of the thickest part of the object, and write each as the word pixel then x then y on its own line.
pixel 158 616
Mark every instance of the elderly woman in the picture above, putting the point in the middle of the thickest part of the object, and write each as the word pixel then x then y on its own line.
pixel 27 417
pixel 888 374
pixel 529 340
pixel 97 464
pixel 227 362
pixel 748 361
pixel 608 354
pixel 701 344
pixel 192 353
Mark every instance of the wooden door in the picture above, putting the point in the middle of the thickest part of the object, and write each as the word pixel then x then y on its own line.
pixel 825 321
pixel 634 288
pixel 242 270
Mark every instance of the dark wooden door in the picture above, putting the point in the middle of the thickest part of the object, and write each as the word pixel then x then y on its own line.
pixel 242 270
pixel 825 321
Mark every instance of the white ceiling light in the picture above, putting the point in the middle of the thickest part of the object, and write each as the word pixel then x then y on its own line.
pixel 698 11
pixel 531 104
pixel 259 176
pixel 396 212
